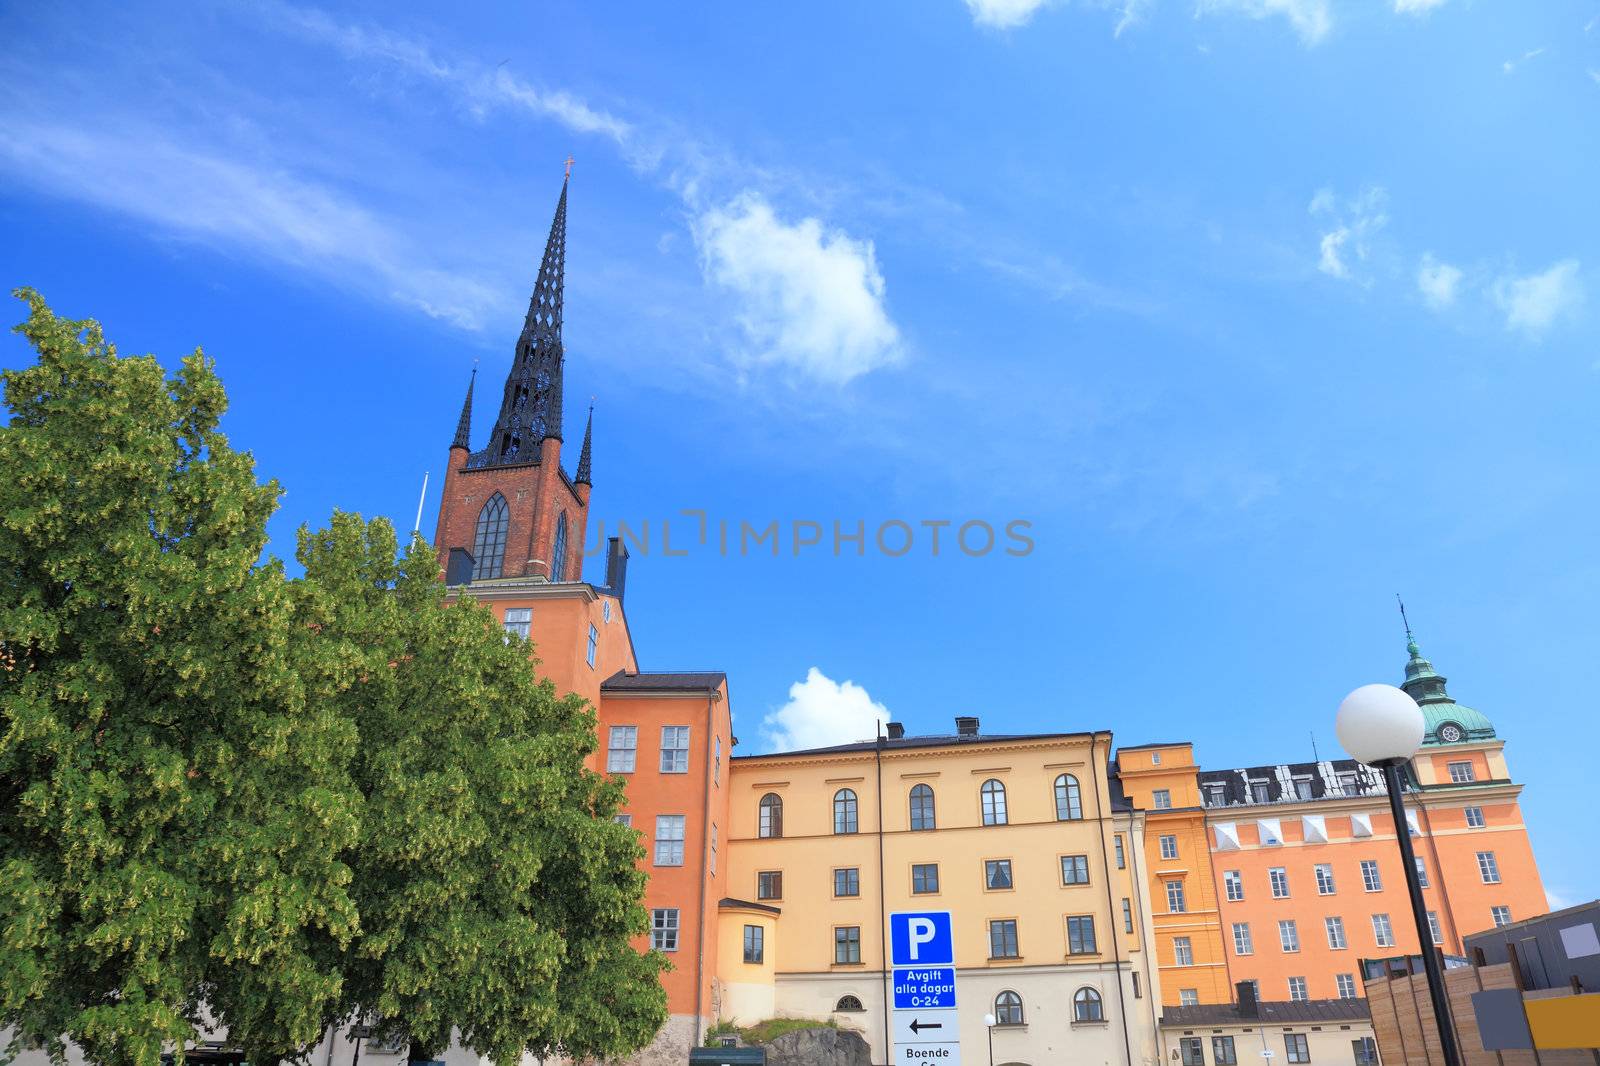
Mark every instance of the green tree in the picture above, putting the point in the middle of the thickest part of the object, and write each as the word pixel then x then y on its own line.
pixel 172 808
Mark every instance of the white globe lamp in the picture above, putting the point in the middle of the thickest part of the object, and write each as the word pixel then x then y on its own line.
pixel 1379 725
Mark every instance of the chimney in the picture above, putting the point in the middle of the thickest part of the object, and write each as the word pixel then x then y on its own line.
pixel 897 730
pixel 616 566
pixel 966 726
pixel 1248 1008
pixel 458 570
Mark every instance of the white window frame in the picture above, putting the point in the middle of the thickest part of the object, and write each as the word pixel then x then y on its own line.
pixel 664 928
pixel 1242 944
pixel 671 763
pixel 1371 876
pixel 670 831
pixel 622 758
pixel 1333 926
pixel 1182 951
pixel 1346 983
pixel 1326 885
pixel 1233 885
pixel 1169 846
pixel 521 624
pixel 594 643
pixel 1382 931
pixel 1177 902
pixel 1278 876
pixel 1488 868
pixel 1498 912
pixel 1188 997
pixel 1161 799
pixel 1461 772
pixel 1475 819
pixel 1288 935
pixel 1297 990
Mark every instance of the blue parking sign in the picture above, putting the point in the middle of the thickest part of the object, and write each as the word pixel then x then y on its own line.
pixel 921 938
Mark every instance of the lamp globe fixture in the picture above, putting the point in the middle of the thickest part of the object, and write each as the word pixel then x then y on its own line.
pixel 1379 724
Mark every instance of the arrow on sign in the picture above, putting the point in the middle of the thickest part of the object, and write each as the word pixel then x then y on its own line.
pixel 917 1027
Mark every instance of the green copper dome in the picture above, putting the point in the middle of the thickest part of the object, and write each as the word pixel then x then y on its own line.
pixel 1446 721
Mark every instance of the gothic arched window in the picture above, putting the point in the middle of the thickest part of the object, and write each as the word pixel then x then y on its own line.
pixel 771 822
pixel 844 811
pixel 921 807
pixel 489 547
pixel 1069 800
pixel 1008 1008
pixel 1086 1006
pixel 994 802
pixel 558 554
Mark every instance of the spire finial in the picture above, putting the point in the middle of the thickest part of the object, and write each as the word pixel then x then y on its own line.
pixel 1411 641
pixel 582 477
pixel 570 161
pixel 464 426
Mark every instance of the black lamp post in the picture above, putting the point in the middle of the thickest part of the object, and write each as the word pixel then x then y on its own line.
pixel 1382 726
pixel 988 1023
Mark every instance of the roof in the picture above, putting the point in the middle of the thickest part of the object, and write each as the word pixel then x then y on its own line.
pixel 622 681
pixel 1157 744
pixel 1278 1012
pixel 745 904
pixel 901 744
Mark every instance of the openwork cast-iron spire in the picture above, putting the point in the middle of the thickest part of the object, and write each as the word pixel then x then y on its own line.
pixel 583 456
pixel 530 411
pixel 464 426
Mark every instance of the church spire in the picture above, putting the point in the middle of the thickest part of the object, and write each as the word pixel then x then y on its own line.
pixel 464 426
pixel 530 410
pixel 583 456
pixel 1423 683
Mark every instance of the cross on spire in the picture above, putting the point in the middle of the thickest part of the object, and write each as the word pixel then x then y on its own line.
pixel 570 161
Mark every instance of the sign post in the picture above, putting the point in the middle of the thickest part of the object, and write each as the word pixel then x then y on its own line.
pixel 927 1028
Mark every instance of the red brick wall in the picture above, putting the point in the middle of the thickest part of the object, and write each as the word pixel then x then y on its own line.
pixel 536 495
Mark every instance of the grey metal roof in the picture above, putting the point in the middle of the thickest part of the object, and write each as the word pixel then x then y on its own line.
pixel 1274 1012
pixel 622 681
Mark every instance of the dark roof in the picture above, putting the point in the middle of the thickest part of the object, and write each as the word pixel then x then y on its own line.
pixel 1141 747
pixel 729 901
pixel 622 681
pixel 1278 1012
pixel 949 740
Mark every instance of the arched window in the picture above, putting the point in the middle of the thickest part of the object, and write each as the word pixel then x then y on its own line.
pixel 771 816
pixel 1008 1009
pixel 849 1003
pixel 1069 800
pixel 489 548
pixel 1086 1006
pixel 558 554
pixel 994 802
pixel 844 811
pixel 921 807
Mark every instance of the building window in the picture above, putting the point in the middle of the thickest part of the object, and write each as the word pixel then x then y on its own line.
pixel 1501 915
pixel 623 819
pixel 921 807
pixel 844 811
pixel 489 546
pixel 1086 1006
pixel 669 839
pixel 674 749
pixel 924 878
pixel 849 1004
pixel 1461 773
pixel 993 796
pixel 1336 938
pixel 1155 758
pixel 1488 868
pixel 1295 1044
pixel 1280 882
pixel 1233 881
pixel 1350 784
pixel 1182 951
pixel 1074 869
pixel 605 611
pixel 769 884
pixel 664 929
pixel 847 881
pixel 558 554
pixel 1370 876
pixel 1127 915
pixel 1122 858
pixel 1008 1009
pixel 997 874
pixel 1289 935
pixel 1080 935
pixel 1475 817
pixel 1069 800
pixel 847 944
pixel 518 621
pixel 1302 788
pixel 713 847
pixel 770 819
pixel 1222 1052
pixel 1169 847
pixel 716 758
pixel 1297 989
pixel 1347 985
pixel 1188 997
pixel 1382 931
pixel 1433 927
pixel 1216 794
pixel 1366 1050
pixel 1325 886
pixel 1175 901
pixel 622 749
pixel 1241 938
pixel 1422 871
pixel 1192 1051
pixel 1137 994
pixel 1003 939
pixel 754 944
pixel 594 642
pixel 1162 798
pixel 1260 792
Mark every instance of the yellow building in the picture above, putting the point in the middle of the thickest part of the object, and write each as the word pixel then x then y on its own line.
pixel 1024 839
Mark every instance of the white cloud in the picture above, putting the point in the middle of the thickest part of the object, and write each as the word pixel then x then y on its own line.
pixel 811 299
pixel 1437 281
pixel 1003 14
pixel 1416 7
pixel 1311 19
pixel 1356 224
pixel 1534 303
pixel 821 712
pixel 1510 65
pixel 1560 899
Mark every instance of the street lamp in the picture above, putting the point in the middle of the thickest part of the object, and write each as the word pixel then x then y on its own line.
pixel 1383 727
pixel 988 1023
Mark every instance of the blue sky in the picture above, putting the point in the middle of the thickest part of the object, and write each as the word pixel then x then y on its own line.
pixel 1258 311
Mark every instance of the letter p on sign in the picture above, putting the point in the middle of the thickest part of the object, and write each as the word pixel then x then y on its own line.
pixel 920 931
pixel 920 938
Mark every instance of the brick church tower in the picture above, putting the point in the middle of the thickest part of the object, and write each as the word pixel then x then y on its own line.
pixel 508 509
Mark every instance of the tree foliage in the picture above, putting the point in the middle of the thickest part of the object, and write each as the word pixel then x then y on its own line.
pixel 275 804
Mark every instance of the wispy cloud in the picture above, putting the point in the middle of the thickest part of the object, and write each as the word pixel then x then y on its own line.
pixel 810 298
pixel 1416 7
pixel 1354 224
pixel 1535 302
pixel 1510 66
pixel 1310 19
pixel 822 711
pixel 1437 282
pixel 1003 14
